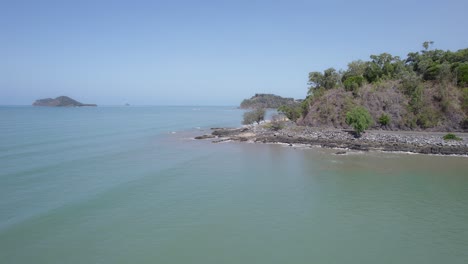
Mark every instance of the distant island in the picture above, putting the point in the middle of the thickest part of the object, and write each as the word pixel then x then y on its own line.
pixel 61 101
pixel 266 101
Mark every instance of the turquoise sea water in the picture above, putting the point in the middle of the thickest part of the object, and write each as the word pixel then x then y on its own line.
pixel 129 185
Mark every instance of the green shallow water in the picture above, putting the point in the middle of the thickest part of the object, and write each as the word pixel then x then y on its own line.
pixel 116 185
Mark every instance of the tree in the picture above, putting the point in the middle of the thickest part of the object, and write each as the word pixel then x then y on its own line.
pixel 355 68
pixel 253 116
pixel 315 81
pixel 329 79
pixel 412 60
pixel 383 66
pixel 384 120
pixel 427 44
pixel 359 118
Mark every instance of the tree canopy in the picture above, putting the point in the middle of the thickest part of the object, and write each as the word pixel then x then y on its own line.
pixel 428 64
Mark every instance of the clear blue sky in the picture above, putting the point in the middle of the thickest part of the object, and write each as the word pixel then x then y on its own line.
pixel 203 52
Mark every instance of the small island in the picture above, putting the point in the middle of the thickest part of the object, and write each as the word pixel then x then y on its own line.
pixel 61 101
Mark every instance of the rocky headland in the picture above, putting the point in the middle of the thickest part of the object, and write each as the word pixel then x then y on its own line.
pixel 378 140
pixel 61 101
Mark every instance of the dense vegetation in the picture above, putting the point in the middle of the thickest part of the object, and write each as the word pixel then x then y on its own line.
pixel 266 101
pixel 425 90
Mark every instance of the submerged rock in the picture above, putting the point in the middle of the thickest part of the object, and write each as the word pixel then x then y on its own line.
pixel 205 137
pixel 223 132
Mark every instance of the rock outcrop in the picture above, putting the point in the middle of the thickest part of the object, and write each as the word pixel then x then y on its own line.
pixel 415 142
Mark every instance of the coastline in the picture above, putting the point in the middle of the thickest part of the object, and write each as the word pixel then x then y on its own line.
pixel 374 140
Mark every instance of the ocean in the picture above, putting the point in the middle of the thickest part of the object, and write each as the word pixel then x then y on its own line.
pixel 131 185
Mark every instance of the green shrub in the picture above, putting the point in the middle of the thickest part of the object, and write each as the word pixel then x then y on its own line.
pixel 253 116
pixel 384 120
pixel 359 118
pixel 291 112
pixel 451 136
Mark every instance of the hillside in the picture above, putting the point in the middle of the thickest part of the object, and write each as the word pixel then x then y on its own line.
pixel 61 101
pixel 428 90
pixel 266 101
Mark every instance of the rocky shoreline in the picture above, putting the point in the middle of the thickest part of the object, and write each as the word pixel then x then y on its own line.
pixel 414 142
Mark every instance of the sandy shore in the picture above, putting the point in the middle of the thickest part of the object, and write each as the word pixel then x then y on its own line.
pixel 404 141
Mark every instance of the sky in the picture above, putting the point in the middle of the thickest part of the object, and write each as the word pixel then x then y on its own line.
pixel 203 52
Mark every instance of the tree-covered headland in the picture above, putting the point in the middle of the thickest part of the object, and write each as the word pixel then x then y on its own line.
pixel 427 90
